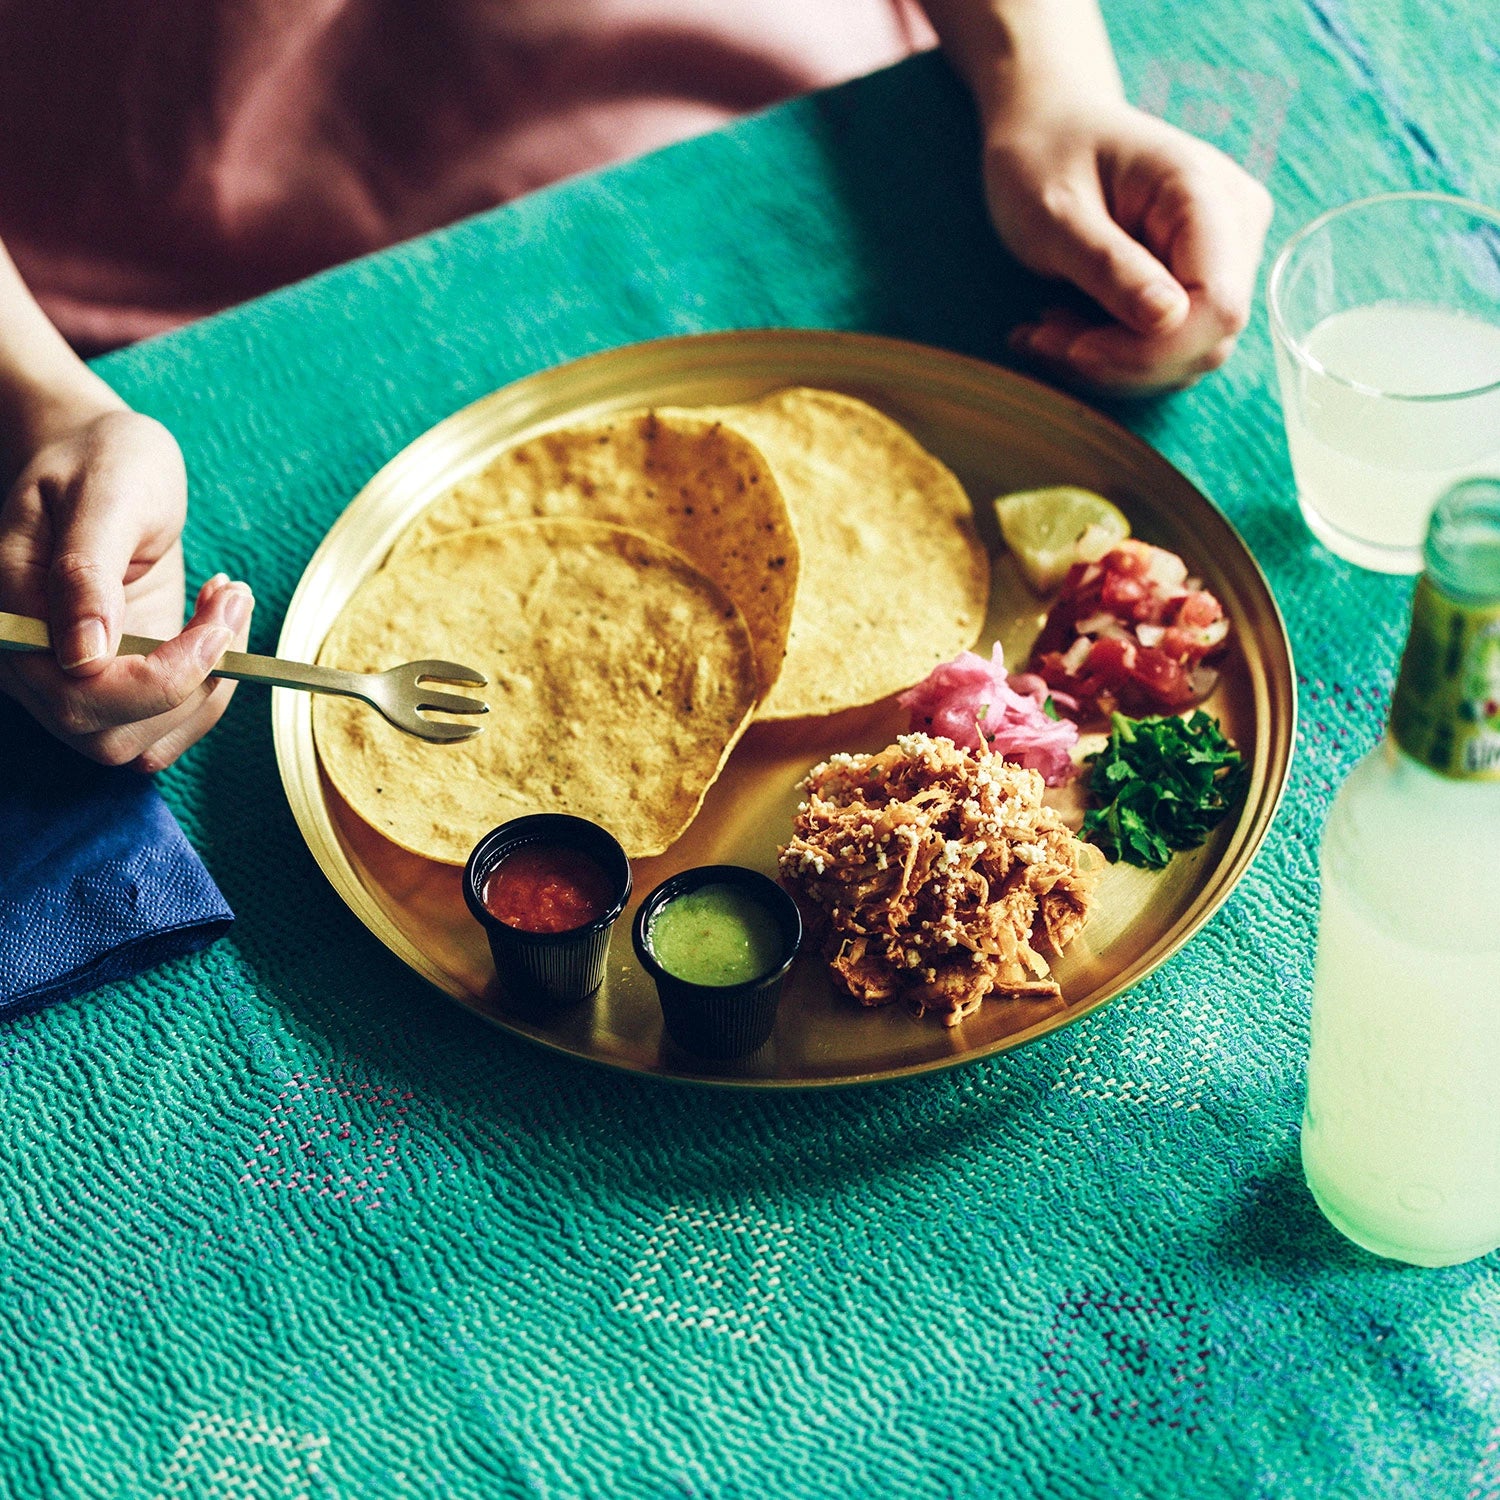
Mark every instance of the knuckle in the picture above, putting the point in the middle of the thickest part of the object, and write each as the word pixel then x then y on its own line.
pixel 158 431
pixel 1229 310
pixel 76 571
pixel 17 568
pixel 162 697
pixel 1059 203
pixel 169 452
pixel 169 685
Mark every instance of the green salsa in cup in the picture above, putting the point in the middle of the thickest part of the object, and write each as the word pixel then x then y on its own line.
pixel 717 941
pixel 716 935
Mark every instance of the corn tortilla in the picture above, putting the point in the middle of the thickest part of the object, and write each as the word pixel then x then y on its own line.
pixel 894 578
pixel 619 678
pixel 693 484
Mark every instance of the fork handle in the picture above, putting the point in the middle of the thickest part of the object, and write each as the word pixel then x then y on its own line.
pixel 21 633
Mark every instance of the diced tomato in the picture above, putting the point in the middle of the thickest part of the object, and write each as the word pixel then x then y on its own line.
pixel 1198 609
pixel 1162 678
pixel 1122 593
pixel 1111 661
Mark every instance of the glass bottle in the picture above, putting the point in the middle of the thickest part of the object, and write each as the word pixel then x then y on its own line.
pixel 1401 1135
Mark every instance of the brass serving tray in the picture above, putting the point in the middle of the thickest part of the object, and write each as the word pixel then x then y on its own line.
pixel 998 431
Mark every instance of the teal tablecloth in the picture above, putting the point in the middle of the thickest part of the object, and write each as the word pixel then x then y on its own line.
pixel 1086 1269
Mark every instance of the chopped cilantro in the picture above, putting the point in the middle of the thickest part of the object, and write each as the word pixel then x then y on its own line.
pixel 1160 785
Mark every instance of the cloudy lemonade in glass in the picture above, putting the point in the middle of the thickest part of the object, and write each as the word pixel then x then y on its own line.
pixel 1375 474
pixel 1385 317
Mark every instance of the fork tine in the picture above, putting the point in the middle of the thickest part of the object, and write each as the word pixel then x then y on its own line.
pixel 439 732
pixel 447 671
pixel 449 703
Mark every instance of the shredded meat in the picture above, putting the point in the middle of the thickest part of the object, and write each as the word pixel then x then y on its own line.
pixel 935 875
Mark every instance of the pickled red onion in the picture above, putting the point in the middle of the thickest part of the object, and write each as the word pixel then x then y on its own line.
pixel 968 696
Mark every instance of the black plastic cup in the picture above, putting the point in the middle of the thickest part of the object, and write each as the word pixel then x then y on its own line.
pixel 719 1020
pixel 550 968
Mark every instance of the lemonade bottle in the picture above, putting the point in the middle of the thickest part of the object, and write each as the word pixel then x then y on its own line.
pixel 1401 1136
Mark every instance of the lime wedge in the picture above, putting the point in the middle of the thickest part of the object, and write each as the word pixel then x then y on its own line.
pixel 1049 530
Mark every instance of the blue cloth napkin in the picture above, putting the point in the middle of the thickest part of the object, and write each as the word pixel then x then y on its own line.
pixel 97 881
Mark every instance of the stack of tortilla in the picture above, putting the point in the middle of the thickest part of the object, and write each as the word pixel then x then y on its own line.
pixel 636 590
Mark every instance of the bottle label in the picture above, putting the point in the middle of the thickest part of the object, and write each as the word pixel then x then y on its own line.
pixel 1446 711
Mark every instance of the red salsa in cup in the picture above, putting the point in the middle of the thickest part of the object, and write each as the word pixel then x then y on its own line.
pixel 547 888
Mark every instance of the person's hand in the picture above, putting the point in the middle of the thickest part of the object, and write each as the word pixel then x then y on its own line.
pixel 1162 230
pixel 89 541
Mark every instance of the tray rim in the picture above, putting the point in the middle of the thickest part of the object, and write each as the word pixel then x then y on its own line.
pixel 297 762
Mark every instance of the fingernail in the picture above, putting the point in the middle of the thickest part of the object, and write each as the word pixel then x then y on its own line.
pixel 84 643
pixel 214 645
pixel 238 603
pixel 216 582
pixel 1161 299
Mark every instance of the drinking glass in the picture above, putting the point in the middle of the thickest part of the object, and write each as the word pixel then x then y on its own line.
pixel 1385 315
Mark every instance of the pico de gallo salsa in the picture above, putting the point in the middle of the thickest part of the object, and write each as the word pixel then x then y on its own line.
pixel 1131 633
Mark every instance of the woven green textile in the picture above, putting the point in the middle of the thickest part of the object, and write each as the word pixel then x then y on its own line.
pixel 1087 1269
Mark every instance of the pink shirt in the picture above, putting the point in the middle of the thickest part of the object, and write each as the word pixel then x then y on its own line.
pixel 161 159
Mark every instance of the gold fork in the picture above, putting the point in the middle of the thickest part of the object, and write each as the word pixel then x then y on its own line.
pixel 400 693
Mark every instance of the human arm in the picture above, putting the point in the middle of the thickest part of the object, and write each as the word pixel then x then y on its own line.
pixel 93 496
pixel 1162 230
